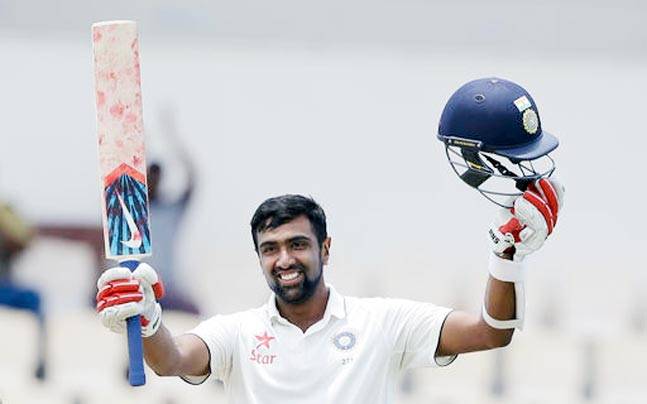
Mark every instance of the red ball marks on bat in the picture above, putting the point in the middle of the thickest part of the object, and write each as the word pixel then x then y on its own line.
pixel 137 161
pixel 101 98
pixel 130 118
pixel 117 110
pixel 96 37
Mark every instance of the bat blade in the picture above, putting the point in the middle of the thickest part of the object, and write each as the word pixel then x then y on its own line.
pixel 120 127
pixel 122 162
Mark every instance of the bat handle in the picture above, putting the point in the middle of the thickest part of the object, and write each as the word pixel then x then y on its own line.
pixel 136 375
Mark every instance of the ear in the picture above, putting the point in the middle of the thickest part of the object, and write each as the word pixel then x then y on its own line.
pixel 325 250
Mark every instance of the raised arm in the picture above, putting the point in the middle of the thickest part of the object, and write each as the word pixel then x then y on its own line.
pixel 171 132
pixel 514 235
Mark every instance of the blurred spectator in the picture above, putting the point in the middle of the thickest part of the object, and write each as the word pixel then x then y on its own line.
pixel 15 236
pixel 166 217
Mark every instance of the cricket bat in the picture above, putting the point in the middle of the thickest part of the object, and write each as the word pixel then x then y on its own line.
pixel 122 162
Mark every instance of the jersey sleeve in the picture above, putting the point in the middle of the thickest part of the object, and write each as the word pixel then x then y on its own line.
pixel 413 329
pixel 219 334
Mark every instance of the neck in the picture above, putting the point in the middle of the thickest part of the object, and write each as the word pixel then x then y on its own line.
pixel 305 314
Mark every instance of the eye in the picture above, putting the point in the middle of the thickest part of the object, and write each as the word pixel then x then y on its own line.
pixel 299 244
pixel 268 249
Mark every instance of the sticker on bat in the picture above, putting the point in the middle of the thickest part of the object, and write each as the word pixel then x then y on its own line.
pixel 126 202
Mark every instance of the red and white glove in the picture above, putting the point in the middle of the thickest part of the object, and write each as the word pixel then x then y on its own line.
pixel 524 228
pixel 123 294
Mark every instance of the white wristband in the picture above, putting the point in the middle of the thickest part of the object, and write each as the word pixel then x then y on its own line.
pixel 508 271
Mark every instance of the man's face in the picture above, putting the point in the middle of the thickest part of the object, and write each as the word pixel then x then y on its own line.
pixel 292 260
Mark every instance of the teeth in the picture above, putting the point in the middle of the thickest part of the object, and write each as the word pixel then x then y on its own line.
pixel 290 276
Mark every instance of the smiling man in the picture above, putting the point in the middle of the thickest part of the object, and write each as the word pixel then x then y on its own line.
pixel 308 343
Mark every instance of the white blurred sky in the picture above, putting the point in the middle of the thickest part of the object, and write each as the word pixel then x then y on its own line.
pixel 340 101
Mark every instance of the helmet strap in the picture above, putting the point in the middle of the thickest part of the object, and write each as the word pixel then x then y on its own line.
pixel 478 171
pixel 520 183
pixel 500 167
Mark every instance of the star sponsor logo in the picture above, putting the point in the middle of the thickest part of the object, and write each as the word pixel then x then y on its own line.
pixel 262 342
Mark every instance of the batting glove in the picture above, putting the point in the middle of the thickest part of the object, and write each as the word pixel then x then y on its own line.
pixel 523 229
pixel 123 294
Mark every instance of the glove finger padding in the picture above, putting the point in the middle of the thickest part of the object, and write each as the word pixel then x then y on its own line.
pixel 531 200
pixel 552 191
pixel 148 277
pixel 537 219
pixel 559 189
pixel 153 289
pixel 114 318
pixel 113 274
pixel 118 292
pixel 118 286
pixel 119 299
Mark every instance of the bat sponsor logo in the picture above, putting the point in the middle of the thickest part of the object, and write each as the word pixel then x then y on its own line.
pixel 135 236
pixel 126 209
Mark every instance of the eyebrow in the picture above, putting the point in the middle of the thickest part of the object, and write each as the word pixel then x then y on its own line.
pixel 291 239
pixel 299 238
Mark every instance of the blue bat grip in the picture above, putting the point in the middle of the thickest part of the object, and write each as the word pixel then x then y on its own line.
pixel 136 375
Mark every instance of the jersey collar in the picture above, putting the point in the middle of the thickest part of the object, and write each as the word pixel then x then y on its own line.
pixel 335 306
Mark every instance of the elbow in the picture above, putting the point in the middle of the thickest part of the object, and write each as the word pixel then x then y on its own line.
pixel 163 370
pixel 499 339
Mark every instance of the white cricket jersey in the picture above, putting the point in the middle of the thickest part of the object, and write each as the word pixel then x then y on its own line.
pixel 354 354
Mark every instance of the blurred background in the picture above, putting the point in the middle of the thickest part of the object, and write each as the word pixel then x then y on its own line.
pixel 339 100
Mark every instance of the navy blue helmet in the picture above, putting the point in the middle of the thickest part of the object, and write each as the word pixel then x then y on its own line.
pixel 489 119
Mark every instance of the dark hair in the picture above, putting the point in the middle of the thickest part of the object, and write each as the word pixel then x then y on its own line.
pixel 274 212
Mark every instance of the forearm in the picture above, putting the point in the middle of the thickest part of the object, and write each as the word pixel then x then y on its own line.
pixel 162 353
pixel 184 355
pixel 500 304
pixel 468 332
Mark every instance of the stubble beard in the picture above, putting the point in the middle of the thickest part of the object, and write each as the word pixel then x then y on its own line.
pixel 299 293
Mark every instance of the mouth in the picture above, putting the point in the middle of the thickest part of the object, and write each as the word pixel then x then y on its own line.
pixel 290 278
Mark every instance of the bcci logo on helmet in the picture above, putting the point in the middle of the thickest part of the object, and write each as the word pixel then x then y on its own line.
pixel 530 121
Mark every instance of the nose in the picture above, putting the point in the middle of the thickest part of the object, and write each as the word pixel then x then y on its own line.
pixel 285 260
